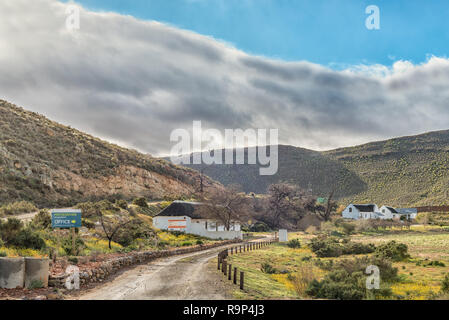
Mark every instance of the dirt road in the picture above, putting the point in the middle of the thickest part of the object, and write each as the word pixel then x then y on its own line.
pixel 185 277
pixel 25 217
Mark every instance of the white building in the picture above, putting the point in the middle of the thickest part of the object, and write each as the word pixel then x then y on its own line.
pixel 362 211
pixel 193 218
pixel 408 213
pixel 390 212
pixel 371 211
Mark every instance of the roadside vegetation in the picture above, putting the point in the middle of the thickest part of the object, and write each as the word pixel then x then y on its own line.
pixel 131 225
pixel 331 263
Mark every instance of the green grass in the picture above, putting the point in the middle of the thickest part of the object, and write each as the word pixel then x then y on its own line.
pixel 418 281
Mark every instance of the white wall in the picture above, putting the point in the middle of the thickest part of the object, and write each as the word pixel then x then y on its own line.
pixel 198 227
pixel 351 215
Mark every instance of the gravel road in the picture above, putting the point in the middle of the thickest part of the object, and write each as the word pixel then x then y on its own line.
pixel 185 277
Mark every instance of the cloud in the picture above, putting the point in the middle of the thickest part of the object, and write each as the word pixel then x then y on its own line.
pixel 133 82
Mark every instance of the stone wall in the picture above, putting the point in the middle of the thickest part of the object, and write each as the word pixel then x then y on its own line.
pixel 110 267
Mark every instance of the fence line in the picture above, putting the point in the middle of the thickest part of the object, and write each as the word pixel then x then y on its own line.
pixel 246 247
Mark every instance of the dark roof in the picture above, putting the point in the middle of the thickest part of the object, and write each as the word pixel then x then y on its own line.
pixel 407 210
pixel 393 210
pixel 365 207
pixel 183 208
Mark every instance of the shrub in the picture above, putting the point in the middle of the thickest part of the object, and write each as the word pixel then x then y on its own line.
pixel 294 244
pixel 388 273
pixel 325 246
pixel 267 268
pixel 18 208
pixel 259 227
pixel 302 279
pixel 10 229
pixel 42 220
pixel 36 284
pixel 339 285
pixel 136 229
pixel 141 202
pixel 3 254
pixel 121 204
pixel 199 242
pixel 28 239
pixel 358 248
pixel 393 250
pixel 445 284
pixel 67 245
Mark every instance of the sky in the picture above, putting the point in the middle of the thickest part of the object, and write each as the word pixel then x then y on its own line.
pixel 136 71
pixel 327 32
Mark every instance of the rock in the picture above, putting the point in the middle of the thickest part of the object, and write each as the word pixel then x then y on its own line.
pixel 40 298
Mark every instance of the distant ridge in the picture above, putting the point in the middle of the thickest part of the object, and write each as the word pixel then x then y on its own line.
pixel 406 171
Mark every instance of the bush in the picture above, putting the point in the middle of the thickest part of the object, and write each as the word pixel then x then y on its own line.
pixel 294 244
pixel 186 244
pixel 339 285
pixel 358 248
pixel 121 204
pixel 67 245
pixel 347 280
pixel 259 227
pixel 136 229
pixel 445 284
pixel 10 229
pixel 28 239
pixel 325 246
pixel 267 268
pixel 36 284
pixel 42 220
pixel 393 250
pixel 141 202
pixel 18 208
pixel 199 242
pixel 302 279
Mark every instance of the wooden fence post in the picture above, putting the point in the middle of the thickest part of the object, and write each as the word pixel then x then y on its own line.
pixel 219 262
pixel 242 279
pixel 230 272
pixel 235 275
pixel 232 251
pixel 223 266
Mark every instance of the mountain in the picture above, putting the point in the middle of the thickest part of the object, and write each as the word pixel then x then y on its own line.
pixel 403 171
pixel 54 165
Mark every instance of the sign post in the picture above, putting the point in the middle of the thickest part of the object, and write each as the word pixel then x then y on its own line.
pixel 66 219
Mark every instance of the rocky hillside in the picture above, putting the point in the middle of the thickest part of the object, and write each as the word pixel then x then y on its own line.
pixel 405 171
pixel 54 165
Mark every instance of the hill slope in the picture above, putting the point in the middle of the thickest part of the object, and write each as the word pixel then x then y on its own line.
pixel 404 171
pixel 51 164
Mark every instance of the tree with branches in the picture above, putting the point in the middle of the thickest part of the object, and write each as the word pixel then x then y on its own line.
pixel 111 227
pixel 226 205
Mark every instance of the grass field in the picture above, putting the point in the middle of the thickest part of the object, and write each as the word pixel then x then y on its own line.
pixel 417 280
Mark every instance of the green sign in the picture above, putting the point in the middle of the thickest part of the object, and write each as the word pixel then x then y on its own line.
pixel 66 218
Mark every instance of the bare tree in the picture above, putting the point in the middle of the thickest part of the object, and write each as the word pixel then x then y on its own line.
pixel 111 227
pixel 326 212
pixel 285 202
pixel 226 205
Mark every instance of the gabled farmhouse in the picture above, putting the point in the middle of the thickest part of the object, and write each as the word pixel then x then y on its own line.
pixel 362 211
pixel 193 218
pixel 390 212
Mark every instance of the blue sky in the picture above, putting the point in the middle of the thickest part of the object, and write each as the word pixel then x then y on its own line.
pixel 328 32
